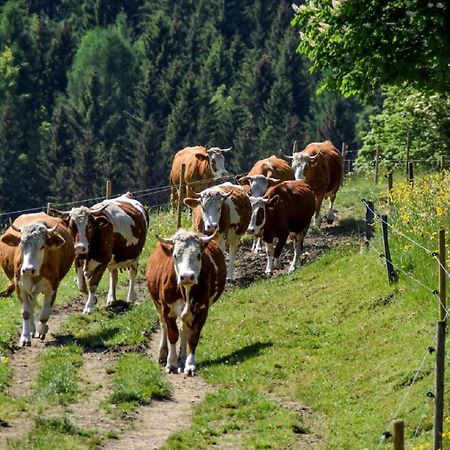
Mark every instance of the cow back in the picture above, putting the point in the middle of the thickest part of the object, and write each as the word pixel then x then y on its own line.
pixel 326 175
pixel 273 167
pixel 294 209
pixel 195 170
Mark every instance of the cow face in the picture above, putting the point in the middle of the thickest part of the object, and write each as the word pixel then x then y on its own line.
pixel 186 248
pixel 258 184
pixel 82 223
pixel 301 162
pixel 258 217
pixel 210 201
pixel 34 239
pixel 216 161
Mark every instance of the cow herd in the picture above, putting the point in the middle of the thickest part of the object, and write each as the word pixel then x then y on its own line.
pixel 186 272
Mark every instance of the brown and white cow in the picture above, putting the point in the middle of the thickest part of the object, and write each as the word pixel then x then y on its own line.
pixel 185 276
pixel 36 252
pixel 226 209
pixel 285 211
pixel 202 167
pixel 264 174
pixel 110 234
pixel 320 165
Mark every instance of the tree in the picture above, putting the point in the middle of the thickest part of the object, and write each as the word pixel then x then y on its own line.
pixel 361 45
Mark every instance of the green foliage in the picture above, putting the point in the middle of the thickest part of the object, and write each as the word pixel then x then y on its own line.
pixel 426 118
pixel 360 46
pixel 58 379
pixel 137 380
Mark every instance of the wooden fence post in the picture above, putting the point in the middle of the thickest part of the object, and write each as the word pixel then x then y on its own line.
pixel 442 276
pixel 370 214
pixel 387 253
pixel 108 190
pixel 442 162
pixel 439 394
pixel 410 173
pixel 398 434
pixel 295 147
pixel 408 146
pixel 390 182
pixel 343 152
pixel 377 163
pixel 180 196
pixel 49 207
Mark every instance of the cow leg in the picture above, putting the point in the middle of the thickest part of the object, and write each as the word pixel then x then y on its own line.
pixel 93 284
pixel 113 277
pixel 278 249
pixel 163 350
pixel 319 199
pixel 81 280
pixel 257 246
pixel 49 300
pixel 330 214
pixel 232 256
pixel 174 196
pixel 183 345
pixel 172 334
pixel 27 318
pixel 269 253
pixel 193 336
pixel 131 297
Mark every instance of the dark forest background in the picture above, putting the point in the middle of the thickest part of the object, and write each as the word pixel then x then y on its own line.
pixel 110 89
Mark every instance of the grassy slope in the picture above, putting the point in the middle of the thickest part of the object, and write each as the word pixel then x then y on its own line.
pixel 333 336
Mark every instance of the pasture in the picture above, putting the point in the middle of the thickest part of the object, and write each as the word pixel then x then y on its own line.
pixel 322 358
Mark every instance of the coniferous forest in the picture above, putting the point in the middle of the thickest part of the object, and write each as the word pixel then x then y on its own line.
pixel 92 90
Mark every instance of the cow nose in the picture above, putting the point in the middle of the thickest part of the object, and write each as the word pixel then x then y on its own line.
pixel 211 227
pixel 187 278
pixel 80 249
pixel 30 270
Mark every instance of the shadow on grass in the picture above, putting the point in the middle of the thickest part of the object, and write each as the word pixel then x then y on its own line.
pixel 247 352
pixel 90 343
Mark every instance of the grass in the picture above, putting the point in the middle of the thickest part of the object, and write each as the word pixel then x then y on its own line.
pixel 334 338
pixel 58 379
pixel 136 381
pixel 56 434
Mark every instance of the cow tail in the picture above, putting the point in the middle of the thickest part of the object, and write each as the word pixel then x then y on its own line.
pixel 8 291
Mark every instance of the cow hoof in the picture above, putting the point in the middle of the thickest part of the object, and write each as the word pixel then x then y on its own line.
pixel 87 310
pixel 170 369
pixel 25 343
pixel 189 371
pixel 330 221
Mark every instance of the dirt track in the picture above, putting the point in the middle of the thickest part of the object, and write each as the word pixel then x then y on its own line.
pixel 145 429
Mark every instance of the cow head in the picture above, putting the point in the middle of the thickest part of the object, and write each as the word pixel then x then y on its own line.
pixel 210 201
pixel 216 160
pixel 301 162
pixel 82 223
pixel 186 248
pixel 258 217
pixel 258 184
pixel 33 239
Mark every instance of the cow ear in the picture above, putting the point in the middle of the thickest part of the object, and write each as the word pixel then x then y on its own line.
pixel 55 240
pixel 191 202
pixel 201 156
pixel 101 221
pixel 273 201
pixel 11 239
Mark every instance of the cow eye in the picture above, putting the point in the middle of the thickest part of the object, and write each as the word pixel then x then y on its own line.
pixel 199 256
pixel 42 248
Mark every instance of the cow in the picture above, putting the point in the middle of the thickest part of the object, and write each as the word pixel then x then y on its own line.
pixel 36 252
pixel 202 167
pixel 321 165
pixel 224 208
pixel 110 234
pixel 285 211
pixel 185 275
pixel 264 174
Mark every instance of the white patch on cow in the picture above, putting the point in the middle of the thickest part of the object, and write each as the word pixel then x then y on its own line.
pixel 217 162
pixel 211 205
pixel 235 218
pixel 90 303
pixel 111 297
pixel 330 214
pixel 176 308
pixel 187 258
pixel 80 277
pixel 257 203
pixel 80 216
pixel 298 166
pixel 270 248
pixel 89 267
pixel 258 185
pixel 32 243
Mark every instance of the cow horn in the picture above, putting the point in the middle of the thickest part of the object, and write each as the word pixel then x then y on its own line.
pixel 226 195
pixel 205 239
pixel 97 210
pixel 287 156
pixel 50 230
pixel 58 211
pixel 225 149
pixel 273 180
pixel 14 227
pixel 314 157
pixel 243 179
pixel 168 241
